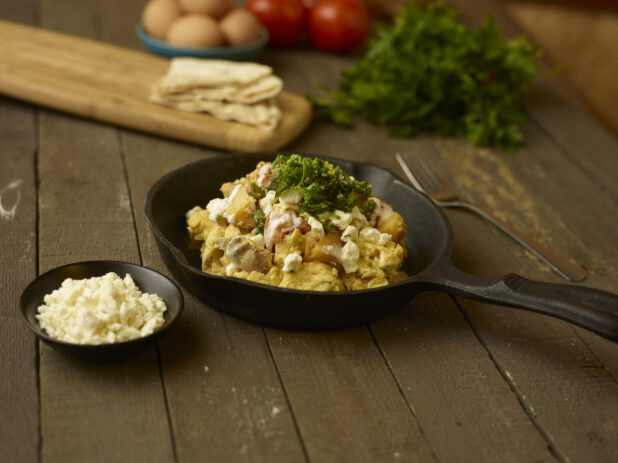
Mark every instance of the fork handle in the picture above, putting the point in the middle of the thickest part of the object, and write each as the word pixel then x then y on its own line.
pixel 562 267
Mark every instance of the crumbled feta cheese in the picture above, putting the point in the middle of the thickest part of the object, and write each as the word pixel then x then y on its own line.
pixel 100 310
pixel 292 197
pixel 342 219
pixel 316 225
pixel 217 208
pixel 349 257
pixel 266 203
pixel 373 235
pixel 350 234
pixel 292 262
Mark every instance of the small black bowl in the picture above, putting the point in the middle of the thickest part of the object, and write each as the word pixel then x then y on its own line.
pixel 147 280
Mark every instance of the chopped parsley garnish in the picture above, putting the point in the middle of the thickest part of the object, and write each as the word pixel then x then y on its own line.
pixel 260 220
pixel 326 187
pixel 430 73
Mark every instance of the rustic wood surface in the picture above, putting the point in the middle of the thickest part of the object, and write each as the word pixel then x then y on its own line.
pixel 443 380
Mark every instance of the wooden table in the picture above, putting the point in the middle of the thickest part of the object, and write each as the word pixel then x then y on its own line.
pixel 444 379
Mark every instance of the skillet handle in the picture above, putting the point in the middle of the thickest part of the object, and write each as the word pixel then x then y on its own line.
pixel 592 309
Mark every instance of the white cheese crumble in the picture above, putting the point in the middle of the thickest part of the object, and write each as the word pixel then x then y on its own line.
pixel 350 234
pixel 100 310
pixel 342 219
pixel 373 235
pixel 347 255
pixel 292 262
pixel 218 206
pixel 266 203
pixel 316 225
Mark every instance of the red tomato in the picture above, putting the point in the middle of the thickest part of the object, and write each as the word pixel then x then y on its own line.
pixel 284 19
pixel 338 25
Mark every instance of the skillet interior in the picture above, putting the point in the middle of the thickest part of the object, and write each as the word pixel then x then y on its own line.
pixel 428 238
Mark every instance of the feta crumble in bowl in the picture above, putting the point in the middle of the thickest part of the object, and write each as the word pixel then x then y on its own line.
pixel 101 309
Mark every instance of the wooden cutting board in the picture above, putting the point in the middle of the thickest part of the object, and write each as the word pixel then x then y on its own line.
pixel 111 84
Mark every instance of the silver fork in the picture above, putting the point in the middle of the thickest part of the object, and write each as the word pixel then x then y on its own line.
pixel 426 181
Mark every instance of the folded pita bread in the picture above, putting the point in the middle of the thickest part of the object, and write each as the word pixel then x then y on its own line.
pixel 264 115
pixel 187 73
pixel 231 91
pixel 264 88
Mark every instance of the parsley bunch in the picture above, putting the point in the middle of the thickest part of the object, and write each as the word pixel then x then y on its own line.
pixel 326 187
pixel 429 73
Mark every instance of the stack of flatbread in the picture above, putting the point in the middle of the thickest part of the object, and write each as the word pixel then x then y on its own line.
pixel 231 91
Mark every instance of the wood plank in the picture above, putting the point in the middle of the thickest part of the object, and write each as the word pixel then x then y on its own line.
pixel 581 41
pixel 542 354
pixel 111 84
pixel 346 403
pixel 85 214
pixel 19 427
pixel 466 409
pixel 226 401
pixel 92 412
pixel 19 394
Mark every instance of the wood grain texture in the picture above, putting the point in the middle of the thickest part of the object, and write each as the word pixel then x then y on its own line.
pixel 92 412
pixel 226 402
pixel 442 380
pixel 548 354
pixel 112 84
pixel 19 401
pixel 466 409
pixel 581 41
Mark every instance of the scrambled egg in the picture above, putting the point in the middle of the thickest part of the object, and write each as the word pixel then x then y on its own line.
pixel 257 233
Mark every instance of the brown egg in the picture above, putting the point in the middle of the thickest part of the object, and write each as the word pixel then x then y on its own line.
pixel 158 16
pixel 195 31
pixel 214 8
pixel 240 27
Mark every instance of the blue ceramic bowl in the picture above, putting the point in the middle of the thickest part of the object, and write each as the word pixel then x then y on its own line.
pixel 242 53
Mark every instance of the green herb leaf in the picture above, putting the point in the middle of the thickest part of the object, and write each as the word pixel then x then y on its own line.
pixel 429 73
pixel 326 187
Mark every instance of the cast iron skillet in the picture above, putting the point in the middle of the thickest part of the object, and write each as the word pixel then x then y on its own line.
pixel 429 241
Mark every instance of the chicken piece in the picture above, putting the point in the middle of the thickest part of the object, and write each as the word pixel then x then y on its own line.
pixel 245 255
